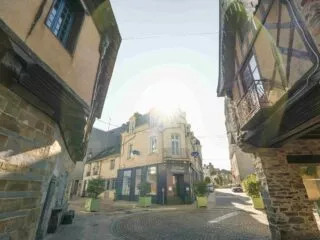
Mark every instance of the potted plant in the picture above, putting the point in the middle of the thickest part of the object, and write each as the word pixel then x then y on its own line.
pixel 252 186
pixel 94 189
pixel 201 192
pixel 144 191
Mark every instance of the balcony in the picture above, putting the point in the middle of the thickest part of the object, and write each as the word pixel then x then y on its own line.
pixel 175 154
pixel 254 105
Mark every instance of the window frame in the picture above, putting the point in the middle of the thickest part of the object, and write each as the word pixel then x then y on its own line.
pixel 248 67
pixel 153 141
pixel 175 144
pixel 74 26
pixel 130 149
pixel 132 125
pixel 112 164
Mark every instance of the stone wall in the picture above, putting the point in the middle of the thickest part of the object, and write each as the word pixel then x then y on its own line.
pixel 32 153
pixel 289 211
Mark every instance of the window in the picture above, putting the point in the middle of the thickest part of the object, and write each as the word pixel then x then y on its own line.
pixel 175 144
pixel 113 186
pixel 107 184
pixel 88 172
pixel 251 72
pixel 137 182
pixel 153 144
pixel 112 164
pixel 130 155
pixel 132 125
pixel 95 168
pixel 64 20
pixel 126 182
pixel 152 179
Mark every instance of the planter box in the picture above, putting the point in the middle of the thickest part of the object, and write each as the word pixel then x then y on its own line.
pixel 257 202
pixel 202 201
pixel 144 201
pixel 92 205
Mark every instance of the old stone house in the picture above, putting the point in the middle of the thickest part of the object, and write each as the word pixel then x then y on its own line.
pixel 56 61
pixel 269 77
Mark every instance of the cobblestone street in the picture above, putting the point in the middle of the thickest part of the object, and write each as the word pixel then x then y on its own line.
pixel 224 219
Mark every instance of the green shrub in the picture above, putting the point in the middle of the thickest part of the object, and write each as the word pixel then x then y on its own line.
pixel 252 185
pixel 95 187
pixel 200 188
pixel 144 189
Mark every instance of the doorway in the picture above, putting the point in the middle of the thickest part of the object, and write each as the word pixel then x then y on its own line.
pixel 179 186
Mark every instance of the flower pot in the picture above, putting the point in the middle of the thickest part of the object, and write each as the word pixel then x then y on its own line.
pixel 144 201
pixel 257 202
pixel 92 205
pixel 202 201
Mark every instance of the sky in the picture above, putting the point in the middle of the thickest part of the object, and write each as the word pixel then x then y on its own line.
pixel 169 57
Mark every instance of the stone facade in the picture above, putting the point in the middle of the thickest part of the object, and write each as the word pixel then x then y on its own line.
pixel 32 153
pixel 289 211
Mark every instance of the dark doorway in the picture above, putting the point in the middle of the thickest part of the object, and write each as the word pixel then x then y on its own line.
pixel 179 180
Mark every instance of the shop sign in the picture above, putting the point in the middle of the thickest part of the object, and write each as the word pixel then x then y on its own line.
pixel 177 169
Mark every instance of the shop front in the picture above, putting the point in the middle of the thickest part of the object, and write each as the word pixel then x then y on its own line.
pixel 171 182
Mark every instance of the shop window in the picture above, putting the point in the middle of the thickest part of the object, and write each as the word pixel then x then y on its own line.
pixel 113 186
pixel 138 181
pixel 107 184
pixel 126 183
pixel 152 179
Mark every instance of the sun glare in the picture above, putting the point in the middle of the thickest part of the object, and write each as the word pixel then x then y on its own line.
pixel 166 96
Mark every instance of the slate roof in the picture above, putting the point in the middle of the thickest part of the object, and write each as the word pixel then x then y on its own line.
pixel 107 152
pixel 104 143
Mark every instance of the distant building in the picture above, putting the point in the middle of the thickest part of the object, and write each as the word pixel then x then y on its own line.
pixel 103 159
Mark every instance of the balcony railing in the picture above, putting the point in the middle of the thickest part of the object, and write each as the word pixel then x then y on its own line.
pixel 180 153
pixel 260 94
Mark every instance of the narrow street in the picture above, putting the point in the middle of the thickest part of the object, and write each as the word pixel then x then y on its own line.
pixel 228 216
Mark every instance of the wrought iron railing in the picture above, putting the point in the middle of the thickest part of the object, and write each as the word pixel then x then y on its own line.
pixel 175 153
pixel 257 97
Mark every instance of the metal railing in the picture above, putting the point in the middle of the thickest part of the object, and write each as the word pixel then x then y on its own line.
pixel 256 97
pixel 175 153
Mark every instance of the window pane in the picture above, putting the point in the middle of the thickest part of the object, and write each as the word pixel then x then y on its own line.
pixel 153 144
pixel 256 74
pixel 129 151
pixel 253 63
pixel 137 182
pixel 126 183
pixel 112 164
pixel 247 77
pixel 152 179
